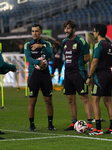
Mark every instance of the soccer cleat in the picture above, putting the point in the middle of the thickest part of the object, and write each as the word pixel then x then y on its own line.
pixel 2 132
pixel 71 127
pixel 32 129
pixel 93 120
pixel 109 131
pixel 1 138
pixel 102 120
pixel 51 128
pixel 90 127
pixel 95 132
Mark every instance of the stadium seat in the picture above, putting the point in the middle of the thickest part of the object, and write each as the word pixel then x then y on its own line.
pixel 59 10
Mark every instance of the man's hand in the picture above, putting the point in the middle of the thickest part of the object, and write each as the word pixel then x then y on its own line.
pixel 34 46
pixel 41 63
pixel 14 70
pixel 88 81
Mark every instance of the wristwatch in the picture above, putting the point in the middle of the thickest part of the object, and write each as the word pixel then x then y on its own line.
pixel 89 77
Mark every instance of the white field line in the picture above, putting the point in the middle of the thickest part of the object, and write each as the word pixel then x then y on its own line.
pixel 38 138
pixel 30 132
pixel 54 136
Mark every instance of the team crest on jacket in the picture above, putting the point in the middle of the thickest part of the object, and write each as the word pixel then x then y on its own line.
pixel 74 46
pixel 65 46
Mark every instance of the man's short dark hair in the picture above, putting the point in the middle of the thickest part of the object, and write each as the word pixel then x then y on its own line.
pixel 37 25
pixel 101 28
pixel 71 23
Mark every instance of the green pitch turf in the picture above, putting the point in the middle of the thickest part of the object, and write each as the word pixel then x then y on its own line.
pixel 14 121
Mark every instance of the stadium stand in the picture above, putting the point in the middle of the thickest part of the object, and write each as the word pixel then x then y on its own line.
pixel 53 13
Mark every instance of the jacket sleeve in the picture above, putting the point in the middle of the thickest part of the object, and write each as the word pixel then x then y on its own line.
pixel 47 49
pixel 5 67
pixel 28 55
pixel 84 46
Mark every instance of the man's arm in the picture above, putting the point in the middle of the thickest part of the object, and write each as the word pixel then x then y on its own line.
pixel 93 67
pixel 28 55
pixel 5 67
pixel 46 48
pixel 86 58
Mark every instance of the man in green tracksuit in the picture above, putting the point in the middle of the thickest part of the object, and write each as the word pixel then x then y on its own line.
pixel 5 68
pixel 35 49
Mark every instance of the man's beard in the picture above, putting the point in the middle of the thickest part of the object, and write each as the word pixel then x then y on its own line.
pixel 70 35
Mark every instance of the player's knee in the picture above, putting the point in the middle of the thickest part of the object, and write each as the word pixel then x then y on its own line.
pixel 31 105
pixel 32 102
pixel 71 101
pixel 94 103
pixel 48 101
pixel 85 101
pixel 107 102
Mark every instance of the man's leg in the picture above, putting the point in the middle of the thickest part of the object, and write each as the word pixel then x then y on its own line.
pixel 73 110
pixel 50 111
pixel 1 138
pixel 88 110
pixel 97 113
pixel 2 132
pixel 87 105
pixel 72 106
pixel 31 111
pixel 108 103
pixel 96 108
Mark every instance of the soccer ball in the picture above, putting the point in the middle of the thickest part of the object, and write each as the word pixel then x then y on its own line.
pixel 80 126
pixel 44 66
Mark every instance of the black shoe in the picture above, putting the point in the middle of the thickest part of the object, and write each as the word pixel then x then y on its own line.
pixel 51 128
pixel 109 131
pixel 95 132
pixel 71 127
pixel 90 127
pixel 1 138
pixel 32 128
pixel 102 120
pixel 2 132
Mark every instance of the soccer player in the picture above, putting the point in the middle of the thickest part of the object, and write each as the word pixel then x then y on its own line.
pixel 76 51
pixel 5 68
pixel 57 59
pixel 101 71
pixel 38 78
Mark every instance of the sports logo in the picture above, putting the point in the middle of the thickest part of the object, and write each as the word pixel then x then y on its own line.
pixel 65 46
pixel 74 46
pixel 109 52
pixel 30 93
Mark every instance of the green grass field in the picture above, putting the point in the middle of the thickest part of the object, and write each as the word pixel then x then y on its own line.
pixel 14 121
